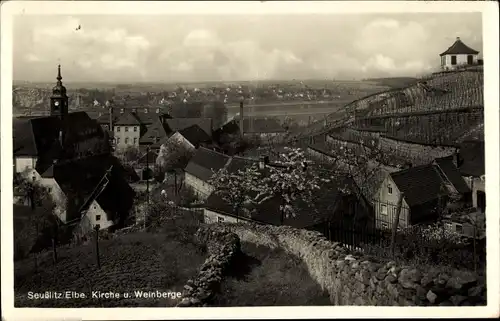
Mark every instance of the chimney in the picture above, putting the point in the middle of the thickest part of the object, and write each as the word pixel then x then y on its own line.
pixel 457 159
pixel 458 38
pixel 110 109
pixel 241 118
pixel 263 161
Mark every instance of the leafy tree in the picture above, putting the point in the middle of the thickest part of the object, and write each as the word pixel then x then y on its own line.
pixel 172 157
pixel 240 189
pixel 289 178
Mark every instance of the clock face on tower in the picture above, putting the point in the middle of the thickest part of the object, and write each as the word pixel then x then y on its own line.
pixel 56 103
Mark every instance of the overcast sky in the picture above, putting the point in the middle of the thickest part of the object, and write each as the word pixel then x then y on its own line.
pixel 173 48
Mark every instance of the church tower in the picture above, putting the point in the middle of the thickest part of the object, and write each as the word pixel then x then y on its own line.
pixel 59 99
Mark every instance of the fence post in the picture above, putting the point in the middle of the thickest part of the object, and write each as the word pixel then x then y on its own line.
pixel 98 261
pixel 396 223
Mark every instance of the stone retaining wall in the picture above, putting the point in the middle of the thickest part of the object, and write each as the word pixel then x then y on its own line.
pixel 420 153
pixel 222 247
pixel 362 280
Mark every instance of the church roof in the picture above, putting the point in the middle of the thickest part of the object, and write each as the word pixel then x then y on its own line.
pixel 459 48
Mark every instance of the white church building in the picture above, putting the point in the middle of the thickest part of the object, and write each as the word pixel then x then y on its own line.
pixel 459 54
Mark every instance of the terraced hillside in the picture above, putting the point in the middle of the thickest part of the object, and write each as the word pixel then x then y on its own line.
pixel 441 109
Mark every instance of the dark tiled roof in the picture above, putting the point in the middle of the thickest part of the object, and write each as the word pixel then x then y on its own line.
pixel 79 178
pixel 459 48
pixel 452 174
pixel 472 158
pixel 40 135
pixel 177 124
pixel 153 130
pixel 204 161
pixel 127 119
pixel 419 184
pixel 195 135
pixel 23 138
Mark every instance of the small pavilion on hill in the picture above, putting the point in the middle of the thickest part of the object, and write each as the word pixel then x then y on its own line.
pixel 459 54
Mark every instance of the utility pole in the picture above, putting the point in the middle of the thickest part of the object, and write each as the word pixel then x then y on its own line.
pixel 98 260
pixel 147 186
pixel 396 223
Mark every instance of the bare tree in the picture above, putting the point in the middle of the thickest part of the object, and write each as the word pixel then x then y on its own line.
pixel 173 155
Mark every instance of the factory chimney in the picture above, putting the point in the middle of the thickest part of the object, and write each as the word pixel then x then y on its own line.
pixel 241 118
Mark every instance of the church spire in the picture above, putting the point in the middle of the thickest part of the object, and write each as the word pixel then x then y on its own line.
pixel 59 78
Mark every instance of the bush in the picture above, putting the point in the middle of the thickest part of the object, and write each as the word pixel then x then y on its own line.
pixel 430 245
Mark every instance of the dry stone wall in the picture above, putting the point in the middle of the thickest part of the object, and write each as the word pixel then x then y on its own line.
pixel 352 279
pixel 222 247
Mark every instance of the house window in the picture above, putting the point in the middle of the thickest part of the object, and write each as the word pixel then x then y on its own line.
pixel 135 141
pixel 98 217
pixel 134 110
pixel 453 60
pixel 122 111
pixel 470 59
pixel 383 209
pixel 157 110
pixel 135 128
pixel 384 225
pixel 145 110
pixel 117 128
pixel 220 219
pixel 118 140
pixel 459 228
pixel 126 128
pixel 126 140
pixel 389 188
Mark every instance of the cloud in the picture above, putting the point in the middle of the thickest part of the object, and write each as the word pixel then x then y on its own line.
pixel 102 49
pixel 205 48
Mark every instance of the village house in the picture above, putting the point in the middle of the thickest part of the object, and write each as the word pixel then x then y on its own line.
pixel 423 191
pixel 87 191
pixel 201 168
pixel 127 131
pixel 190 137
pixel 459 54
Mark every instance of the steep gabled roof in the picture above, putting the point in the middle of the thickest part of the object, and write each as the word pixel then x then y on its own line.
pixel 204 161
pixel 38 136
pixel 79 178
pixel 452 174
pixel 459 48
pixel 154 130
pixel 177 124
pixel 195 135
pixel 127 119
pixel 472 158
pixel 23 138
pixel 419 184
